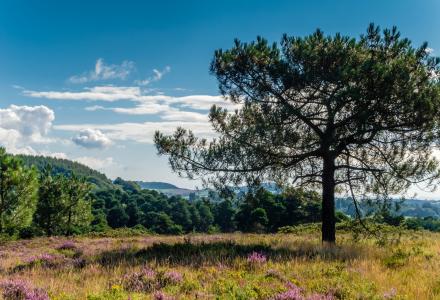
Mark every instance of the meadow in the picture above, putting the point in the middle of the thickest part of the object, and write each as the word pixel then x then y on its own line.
pixel 221 266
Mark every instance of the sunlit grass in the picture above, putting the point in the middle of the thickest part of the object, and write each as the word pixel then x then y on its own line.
pixel 219 267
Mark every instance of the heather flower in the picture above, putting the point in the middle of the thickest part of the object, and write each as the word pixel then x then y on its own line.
pixel 172 277
pixel 159 295
pixel 293 293
pixel 320 297
pixel 143 281
pixel 79 263
pixel 296 293
pixel 67 245
pixel 45 260
pixel 21 290
pixel 391 294
pixel 256 258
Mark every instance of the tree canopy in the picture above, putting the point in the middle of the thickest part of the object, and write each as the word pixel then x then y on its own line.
pixel 18 187
pixel 336 112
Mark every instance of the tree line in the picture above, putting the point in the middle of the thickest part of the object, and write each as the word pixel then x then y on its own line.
pixel 50 200
pixel 47 200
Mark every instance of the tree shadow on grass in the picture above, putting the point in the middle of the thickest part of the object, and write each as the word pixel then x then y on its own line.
pixel 214 253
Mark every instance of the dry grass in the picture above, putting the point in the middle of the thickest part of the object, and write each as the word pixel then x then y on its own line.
pixel 216 266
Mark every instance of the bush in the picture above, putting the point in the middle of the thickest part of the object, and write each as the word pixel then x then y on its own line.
pixel 29 232
pixel 303 228
pixel 121 232
pixel 397 259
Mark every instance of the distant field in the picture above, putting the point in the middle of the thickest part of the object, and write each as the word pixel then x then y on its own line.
pixel 225 266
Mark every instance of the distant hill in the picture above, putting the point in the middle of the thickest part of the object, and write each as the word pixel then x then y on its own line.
pixel 156 185
pixel 65 166
pixel 165 188
pixel 409 208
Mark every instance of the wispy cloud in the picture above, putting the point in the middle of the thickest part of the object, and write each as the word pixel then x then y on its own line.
pixel 156 76
pixel 99 164
pixel 140 132
pixel 94 107
pixel 103 71
pixel 98 93
pixel 145 103
pixel 185 116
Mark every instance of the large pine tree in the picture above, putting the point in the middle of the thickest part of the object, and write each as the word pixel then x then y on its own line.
pixel 329 111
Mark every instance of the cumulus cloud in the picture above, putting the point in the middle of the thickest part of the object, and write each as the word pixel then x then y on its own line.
pixel 31 122
pixel 23 126
pixel 103 71
pixel 157 75
pixel 91 138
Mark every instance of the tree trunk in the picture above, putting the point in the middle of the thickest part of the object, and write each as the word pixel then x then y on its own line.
pixel 69 220
pixel 328 201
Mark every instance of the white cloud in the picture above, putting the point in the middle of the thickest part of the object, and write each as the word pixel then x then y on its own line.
pixel 141 132
pixel 142 109
pixel 98 93
pixel 94 108
pixel 91 138
pixel 203 102
pixel 95 163
pixel 156 77
pixel 186 116
pixel 102 71
pixel 145 104
pixel 32 122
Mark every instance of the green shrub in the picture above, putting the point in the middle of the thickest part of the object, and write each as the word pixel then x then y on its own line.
pixel 397 259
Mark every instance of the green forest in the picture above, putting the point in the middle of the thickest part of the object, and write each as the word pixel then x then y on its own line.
pixel 43 196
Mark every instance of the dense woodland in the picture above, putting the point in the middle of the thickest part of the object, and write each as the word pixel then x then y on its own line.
pixel 48 196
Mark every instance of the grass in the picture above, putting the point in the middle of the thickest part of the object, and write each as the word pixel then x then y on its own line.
pixel 226 266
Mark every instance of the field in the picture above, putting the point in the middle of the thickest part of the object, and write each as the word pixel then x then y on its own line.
pixel 224 266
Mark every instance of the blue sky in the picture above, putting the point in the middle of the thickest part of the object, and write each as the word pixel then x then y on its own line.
pixel 92 80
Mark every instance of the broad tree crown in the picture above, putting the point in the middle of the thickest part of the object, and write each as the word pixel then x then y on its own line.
pixel 331 111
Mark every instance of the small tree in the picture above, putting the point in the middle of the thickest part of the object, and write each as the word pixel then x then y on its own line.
pixel 319 111
pixel 18 187
pixel 63 203
pixel 77 204
pixel 224 215
pixel 206 217
pixel 50 207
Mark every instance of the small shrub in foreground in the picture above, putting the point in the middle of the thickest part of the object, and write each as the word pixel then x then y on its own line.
pixel 296 293
pixel 21 290
pixel 67 245
pixel 143 281
pixel 162 296
pixel 148 280
pixel 397 259
pixel 256 258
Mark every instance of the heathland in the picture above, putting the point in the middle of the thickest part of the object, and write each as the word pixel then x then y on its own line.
pixel 223 266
